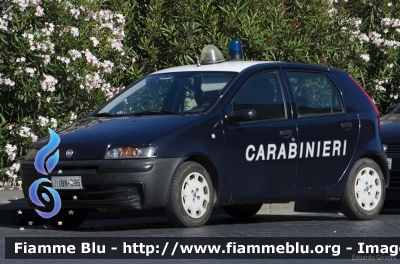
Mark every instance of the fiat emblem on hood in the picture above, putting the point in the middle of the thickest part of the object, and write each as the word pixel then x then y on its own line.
pixel 69 153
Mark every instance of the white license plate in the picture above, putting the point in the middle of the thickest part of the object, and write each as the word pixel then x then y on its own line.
pixel 66 182
pixel 389 160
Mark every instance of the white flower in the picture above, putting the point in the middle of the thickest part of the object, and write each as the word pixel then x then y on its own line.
pixel 390 65
pixel 93 81
pixel 10 150
pixel 34 137
pixel 11 172
pixel 332 11
pixel 49 83
pixel 3 24
pixel 48 99
pixel 107 66
pixel 39 11
pixel 46 59
pixel 54 123
pixel 43 121
pixel 365 57
pixel 74 31
pixel 73 116
pixel 10 127
pixel 376 38
pixel 120 18
pixel 386 21
pixel 75 13
pixel 91 59
pixel 75 54
pixel 94 41
pixel 15 167
pixel 357 22
pixel 64 60
pixel 389 4
pixel 25 132
pixel 31 71
pixel 48 29
pixel 22 59
pixel 38 94
pixel 9 82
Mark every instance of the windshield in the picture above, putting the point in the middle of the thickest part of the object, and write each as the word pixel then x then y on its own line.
pixel 170 93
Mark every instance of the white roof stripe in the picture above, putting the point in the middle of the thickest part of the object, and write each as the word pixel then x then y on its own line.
pixel 229 66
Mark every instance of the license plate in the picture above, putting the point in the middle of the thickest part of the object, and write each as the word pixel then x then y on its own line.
pixel 389 160
pixel 66 182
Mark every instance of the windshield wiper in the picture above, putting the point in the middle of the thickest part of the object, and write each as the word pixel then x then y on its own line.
pixel 155 112
pixel 102 114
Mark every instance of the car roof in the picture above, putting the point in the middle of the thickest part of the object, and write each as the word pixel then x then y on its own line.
pixel 236 66
pixel 227 66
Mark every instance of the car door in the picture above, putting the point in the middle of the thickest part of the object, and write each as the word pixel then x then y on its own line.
pixel 260 154
pixel 327 133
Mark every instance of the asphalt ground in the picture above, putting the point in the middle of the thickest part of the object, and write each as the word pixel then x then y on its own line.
pixel 276 220
pixel 14 210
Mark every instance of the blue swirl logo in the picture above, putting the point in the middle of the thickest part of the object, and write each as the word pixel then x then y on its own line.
pixel 35 199
pixel 45 151
pixel 51 163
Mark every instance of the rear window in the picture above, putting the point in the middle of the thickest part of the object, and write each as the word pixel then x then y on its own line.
pixel 315 94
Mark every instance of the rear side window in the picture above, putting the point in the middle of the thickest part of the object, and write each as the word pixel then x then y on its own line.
pixel 315 94
pixel 262 93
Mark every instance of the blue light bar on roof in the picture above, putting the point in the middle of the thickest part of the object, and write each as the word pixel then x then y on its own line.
pixel 235 50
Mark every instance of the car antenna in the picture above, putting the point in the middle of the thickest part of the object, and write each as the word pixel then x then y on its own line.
pixel 198 61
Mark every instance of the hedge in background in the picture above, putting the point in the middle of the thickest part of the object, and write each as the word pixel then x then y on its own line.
pixel 82 59
pixel 58 61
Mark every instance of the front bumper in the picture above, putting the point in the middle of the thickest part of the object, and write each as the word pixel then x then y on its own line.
pixel 116 184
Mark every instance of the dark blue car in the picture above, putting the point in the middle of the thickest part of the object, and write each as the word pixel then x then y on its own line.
pixel 235 134
pixel 390 136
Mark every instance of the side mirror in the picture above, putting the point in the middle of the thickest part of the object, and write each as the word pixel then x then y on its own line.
pixel 242 115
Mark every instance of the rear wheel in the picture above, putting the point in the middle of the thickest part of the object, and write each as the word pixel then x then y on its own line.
pixel 68 218
pixel 191 196
pixel 364 193
pixel 242 210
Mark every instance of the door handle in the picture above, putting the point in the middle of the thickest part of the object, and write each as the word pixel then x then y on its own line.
pixel 285 133
pixel 346 125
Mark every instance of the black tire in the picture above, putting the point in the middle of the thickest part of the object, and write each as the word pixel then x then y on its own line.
pixel 366 202
pixel 192 188
pixel 69 219
pixel 242 210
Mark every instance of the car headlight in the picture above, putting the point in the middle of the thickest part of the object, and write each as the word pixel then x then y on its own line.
pixel 384 147
pixel 132 152
pixel 31 154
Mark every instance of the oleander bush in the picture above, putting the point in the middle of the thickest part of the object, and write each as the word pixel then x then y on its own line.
pixel 61 59
pixel 58 61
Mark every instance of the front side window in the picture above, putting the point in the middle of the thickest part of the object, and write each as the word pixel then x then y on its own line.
pixel 315 94
pixel 171 93
pixel 263 94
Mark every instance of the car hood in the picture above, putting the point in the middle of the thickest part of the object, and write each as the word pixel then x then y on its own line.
pixel 390 129
pixel 89 138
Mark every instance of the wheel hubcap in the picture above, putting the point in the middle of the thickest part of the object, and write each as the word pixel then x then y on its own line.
pixel 195 195
pixel 368 189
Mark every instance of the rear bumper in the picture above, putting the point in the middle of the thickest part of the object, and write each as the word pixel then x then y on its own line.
pixel 117 184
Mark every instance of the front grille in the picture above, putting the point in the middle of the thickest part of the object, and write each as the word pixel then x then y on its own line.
pixel 392 148
pixel 394 182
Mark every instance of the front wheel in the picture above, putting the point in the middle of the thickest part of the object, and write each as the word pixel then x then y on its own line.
pixel 191 196
pixel 68 218
pixel 364 193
